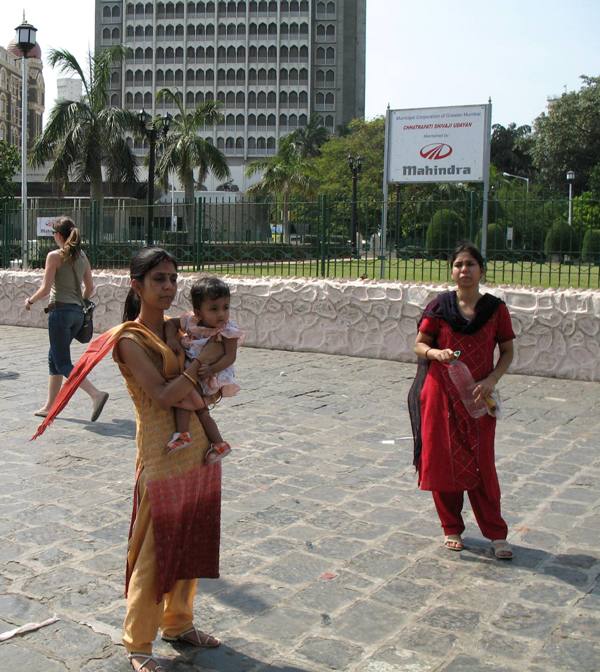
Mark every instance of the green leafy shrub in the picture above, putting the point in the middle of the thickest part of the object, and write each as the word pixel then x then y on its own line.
pixel 496 239
pixel 561 240
pixel 446 228
pixel 590 249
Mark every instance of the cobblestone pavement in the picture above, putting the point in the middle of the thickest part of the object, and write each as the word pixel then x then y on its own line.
pixel 331 557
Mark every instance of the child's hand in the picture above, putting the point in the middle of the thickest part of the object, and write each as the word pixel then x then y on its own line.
pixel 205 371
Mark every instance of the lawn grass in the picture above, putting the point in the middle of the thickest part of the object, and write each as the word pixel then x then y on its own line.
pixel 529 274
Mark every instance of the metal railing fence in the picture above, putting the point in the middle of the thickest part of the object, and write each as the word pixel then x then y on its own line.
pixel 530 242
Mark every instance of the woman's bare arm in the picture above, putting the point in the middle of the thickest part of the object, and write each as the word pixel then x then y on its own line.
pixel 88 282
pixel 53 261
pixel 425 350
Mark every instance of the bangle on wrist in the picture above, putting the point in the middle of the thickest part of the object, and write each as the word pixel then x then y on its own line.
pixel 187 375
pixel 427 351
pixel 30 302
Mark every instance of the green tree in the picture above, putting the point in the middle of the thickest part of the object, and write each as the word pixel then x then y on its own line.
pixel 184 151
pixel 511 149
pixel 9 165
pixel 283 175
pixel 310 138
pixel 567 137
pixel 84 136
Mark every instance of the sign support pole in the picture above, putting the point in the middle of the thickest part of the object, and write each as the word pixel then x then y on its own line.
pixel 384 209
pixel 486 176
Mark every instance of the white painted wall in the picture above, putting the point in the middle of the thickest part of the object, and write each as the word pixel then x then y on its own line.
pixel 558 331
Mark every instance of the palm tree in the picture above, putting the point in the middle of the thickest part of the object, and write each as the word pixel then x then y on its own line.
pixel 282 174
pixel 184 151
pixel 309 139
pixel 84 136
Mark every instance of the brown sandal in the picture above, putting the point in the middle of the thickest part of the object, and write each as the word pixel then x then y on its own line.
pixel 502 549
pixel 194 637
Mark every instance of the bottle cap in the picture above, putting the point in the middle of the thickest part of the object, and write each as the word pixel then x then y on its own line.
pixel 457 354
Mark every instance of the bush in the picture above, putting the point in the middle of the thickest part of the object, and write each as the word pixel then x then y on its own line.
pixel 496 239
pixel 561 239
pixel 590 249
pixel 443 232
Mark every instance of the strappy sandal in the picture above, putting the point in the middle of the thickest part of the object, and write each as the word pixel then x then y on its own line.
pixel 217 452
pixel 453 542
pixel 194 637
pixel 502 549
pixel 146 660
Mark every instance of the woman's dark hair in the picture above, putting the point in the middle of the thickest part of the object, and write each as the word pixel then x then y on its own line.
pixel 208 287
pixel 466 246
pixel 141 263
pixel 70 233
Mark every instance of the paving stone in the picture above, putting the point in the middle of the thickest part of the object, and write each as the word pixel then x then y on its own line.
pixel 326 564
pixel 332 653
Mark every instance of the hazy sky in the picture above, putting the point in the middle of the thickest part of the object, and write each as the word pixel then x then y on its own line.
pixel 419 53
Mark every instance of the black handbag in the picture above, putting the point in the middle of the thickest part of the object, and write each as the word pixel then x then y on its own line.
pixel 84 335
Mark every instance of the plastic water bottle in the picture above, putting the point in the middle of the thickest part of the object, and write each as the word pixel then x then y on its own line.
pixel 465 384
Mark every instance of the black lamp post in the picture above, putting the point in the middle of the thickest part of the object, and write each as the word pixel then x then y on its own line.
pixel 355 165
pixel 25 39
pixel 152 128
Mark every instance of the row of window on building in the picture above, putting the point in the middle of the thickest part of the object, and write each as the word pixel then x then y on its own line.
pixel 232 100
pixel 231 8
pixel 230 54
pixel 231 77
pixel 226 31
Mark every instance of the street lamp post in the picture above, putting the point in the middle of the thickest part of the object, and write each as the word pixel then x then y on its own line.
pixel 570 179
pixel 152 128
pixel 355 165
pixel 25 41
pixel 519 177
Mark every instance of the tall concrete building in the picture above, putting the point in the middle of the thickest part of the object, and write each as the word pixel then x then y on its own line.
pixel 270 64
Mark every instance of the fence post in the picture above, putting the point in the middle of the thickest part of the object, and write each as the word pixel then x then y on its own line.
pixel 322 230
pixel 199 211
pixel 3 220
pixel 93 236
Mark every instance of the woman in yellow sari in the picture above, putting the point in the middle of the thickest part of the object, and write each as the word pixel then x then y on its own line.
pixel 175 527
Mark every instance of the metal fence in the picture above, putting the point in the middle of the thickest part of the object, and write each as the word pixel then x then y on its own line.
pixel 530 242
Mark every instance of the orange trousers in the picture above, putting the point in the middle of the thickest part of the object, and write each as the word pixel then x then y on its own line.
pixel 174 613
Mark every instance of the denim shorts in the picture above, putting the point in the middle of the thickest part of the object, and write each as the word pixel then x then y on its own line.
pixel 63 323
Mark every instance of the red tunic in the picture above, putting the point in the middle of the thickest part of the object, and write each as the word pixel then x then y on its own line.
pixel 458 450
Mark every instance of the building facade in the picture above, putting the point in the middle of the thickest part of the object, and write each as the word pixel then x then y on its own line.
pixel 10 95
pixel 271 64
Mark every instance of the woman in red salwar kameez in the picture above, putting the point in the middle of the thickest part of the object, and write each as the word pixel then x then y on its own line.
pixel 453 451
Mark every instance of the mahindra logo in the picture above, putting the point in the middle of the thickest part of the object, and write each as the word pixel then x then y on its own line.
pixel 435 151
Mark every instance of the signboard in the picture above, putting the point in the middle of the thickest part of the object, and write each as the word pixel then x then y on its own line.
pixel 437 144
pixel 44 227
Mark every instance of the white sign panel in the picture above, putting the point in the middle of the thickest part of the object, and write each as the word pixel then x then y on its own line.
pixel 44 227
pixel 438 144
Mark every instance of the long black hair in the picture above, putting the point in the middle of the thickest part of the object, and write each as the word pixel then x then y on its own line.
pixel 141 263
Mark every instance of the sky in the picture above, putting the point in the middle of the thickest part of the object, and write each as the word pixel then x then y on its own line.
pixel 420 53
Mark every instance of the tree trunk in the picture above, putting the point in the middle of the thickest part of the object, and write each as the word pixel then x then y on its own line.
pixel 96 208
pixel 188 187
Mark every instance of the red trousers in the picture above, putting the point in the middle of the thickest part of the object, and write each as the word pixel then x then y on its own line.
pixel 485 502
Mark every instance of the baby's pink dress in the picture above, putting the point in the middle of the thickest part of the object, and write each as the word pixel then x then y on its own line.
pixel 196 338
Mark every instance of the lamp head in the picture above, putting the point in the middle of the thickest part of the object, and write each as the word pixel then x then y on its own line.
pixel 25 36
pixel 143 117
pixel 570 176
